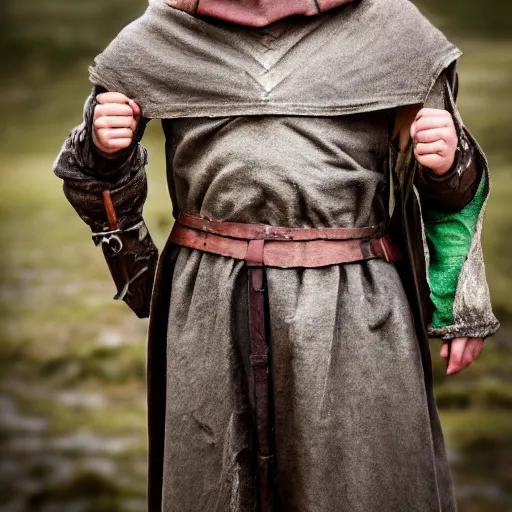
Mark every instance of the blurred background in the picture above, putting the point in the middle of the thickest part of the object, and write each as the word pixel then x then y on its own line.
pixel 72 361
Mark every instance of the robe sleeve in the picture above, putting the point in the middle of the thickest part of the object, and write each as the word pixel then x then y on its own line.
pixel 128 249
pixel 455 189
pixel 456 270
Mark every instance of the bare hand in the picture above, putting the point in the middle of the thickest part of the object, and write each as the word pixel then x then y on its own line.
pixel 115 120
pixel 435 139
pixel 461 352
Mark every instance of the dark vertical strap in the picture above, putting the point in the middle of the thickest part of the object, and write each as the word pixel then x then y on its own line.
pixel 259 380
pixel 157 376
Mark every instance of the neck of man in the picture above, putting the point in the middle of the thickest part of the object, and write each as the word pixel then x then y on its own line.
pixel 255 13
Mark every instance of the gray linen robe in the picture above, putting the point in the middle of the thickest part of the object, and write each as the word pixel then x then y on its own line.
pixel 356 425
pixel 353 427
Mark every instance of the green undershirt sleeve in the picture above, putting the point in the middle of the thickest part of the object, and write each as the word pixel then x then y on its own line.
pixel 449 238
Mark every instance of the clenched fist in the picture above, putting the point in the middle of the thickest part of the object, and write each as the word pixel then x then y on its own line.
pixel 115 120
pixel 435 139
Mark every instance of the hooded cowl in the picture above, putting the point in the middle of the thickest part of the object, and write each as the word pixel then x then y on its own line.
pixel 364 56
pixel 254 13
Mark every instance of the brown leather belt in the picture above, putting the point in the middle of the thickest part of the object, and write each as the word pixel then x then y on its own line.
pixel 265 232
pixel 284 247
pixel 268 246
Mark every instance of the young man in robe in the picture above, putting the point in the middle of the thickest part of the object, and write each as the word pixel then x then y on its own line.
pixel 328 204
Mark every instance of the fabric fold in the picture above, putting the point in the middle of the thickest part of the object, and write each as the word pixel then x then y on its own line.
pixel 347 64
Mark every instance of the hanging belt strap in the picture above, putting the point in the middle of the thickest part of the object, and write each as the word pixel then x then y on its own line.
pixel 259 378
pixel 261 246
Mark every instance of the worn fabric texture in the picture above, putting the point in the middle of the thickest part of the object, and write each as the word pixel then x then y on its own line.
pixel 353 428
pixel 356 422
pixel 341 336
pixel 447 260
pixel 456 270
pixel 336 63
pixel 86 174
pixel 340 62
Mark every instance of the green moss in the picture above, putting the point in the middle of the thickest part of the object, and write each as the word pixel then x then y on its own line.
pixel 466 429
pixel 495 395
pixel 100 494
pixel 490 19
pixel 479 504
pixel 117 418
pixel 483 442
pixel 449 398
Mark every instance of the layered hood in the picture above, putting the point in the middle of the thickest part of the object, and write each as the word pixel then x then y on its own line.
pixel 254 13
pixel 368 55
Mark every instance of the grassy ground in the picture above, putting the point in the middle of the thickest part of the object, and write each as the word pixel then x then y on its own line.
pixel 72 361
pixel 72 398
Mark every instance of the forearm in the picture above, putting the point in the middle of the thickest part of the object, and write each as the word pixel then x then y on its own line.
pixel 450 191
pixel 91 181
pixel 454 190
pixel 86 173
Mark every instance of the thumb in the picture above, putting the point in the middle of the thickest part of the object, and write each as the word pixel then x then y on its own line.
pixel 445 350
pixel 136 109
pixel 455 364
pixel 413 129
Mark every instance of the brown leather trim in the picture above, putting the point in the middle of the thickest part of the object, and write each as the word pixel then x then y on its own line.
pixel 110 210
pixel 283 252
pixel 255 253
pixel 265 232
pixel 287 254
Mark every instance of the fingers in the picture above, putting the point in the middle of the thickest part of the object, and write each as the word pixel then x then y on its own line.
pixel 110 142
pixel 430 123
pixel 116 122
pixel 112 97
pixel 455 363
pixel 463 352
pixel 113 109
pixel 433 148
pixel 433 112
pixel 135 108
pixel 434 134
pixel 117 144
pixel 116 104
pixel 445 350
pixel 116 133
pixel 474 348
pixel 435 139
pixel 435 162
pixel 479 348
pixel 433 119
